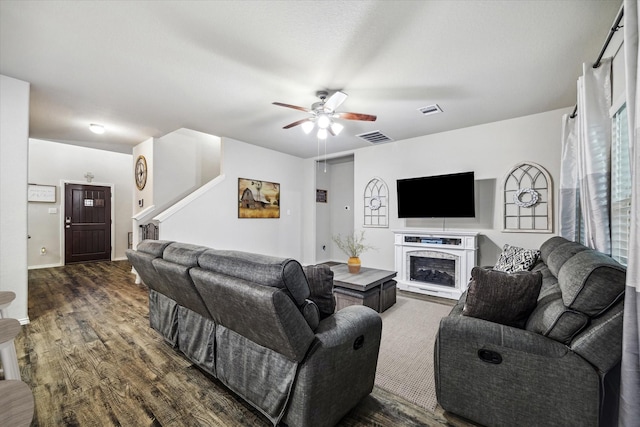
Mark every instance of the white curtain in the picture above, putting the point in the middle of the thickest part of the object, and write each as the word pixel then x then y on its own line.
pixel 569 202
pixel 586 157
pixel 630 369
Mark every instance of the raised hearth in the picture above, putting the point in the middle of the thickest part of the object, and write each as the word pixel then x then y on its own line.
pixel 433 262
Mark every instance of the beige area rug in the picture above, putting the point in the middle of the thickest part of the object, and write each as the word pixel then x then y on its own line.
pixel 405 361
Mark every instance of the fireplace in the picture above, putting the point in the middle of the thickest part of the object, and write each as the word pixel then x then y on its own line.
pixel 438 271
pixel 436 263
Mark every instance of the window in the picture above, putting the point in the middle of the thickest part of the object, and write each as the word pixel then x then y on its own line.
pixel 620 187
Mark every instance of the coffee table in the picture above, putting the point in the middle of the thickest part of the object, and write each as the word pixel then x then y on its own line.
pixel 371 287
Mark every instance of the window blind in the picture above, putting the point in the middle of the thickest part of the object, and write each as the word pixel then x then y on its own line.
pixel 620 187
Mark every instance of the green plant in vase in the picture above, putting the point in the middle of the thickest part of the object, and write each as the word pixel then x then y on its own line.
pixel 353 246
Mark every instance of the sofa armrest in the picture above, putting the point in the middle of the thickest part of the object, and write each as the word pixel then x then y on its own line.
pixel 339 368
pixel 536 380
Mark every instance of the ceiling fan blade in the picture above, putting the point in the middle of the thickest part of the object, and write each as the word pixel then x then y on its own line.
pixel 295 107
pixel 299 122
pixel 335 101
pixel 357 116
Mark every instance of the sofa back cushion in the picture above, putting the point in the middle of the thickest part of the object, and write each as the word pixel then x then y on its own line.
pixel 264 270
pixel 174 268
pixel 550 245
pixel 142 258
pixel 579 285
pixel 264 314
pixel 591 282
pixel 552 319
pixel 561 254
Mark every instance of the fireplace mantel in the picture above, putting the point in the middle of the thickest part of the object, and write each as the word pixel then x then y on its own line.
pixel 460 246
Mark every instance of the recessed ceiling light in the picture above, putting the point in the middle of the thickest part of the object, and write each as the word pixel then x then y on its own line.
pixel 99 129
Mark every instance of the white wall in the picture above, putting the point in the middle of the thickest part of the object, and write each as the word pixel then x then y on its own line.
pixel 14 151
pixel 212 219
pixel 52 162
pixel 489 150
pixel 183 160
pixel 336 216
pixel 341 206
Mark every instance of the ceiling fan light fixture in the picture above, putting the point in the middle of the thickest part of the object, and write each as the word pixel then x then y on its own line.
pixel 336 128
pixel 322 133
pixel 323 121
pixel 95 128
pixel 307 127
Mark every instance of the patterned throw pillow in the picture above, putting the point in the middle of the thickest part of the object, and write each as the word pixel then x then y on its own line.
pixel 513 259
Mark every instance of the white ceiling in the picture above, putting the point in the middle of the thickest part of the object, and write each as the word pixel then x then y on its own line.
pixel 144 69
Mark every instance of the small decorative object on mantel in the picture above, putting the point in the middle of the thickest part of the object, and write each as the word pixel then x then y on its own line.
pixel 528 192
pixel 353 246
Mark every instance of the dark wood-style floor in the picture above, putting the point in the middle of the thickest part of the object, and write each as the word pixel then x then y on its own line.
pixel 91 359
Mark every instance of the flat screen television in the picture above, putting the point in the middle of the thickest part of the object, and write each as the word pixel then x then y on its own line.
pixel 441 196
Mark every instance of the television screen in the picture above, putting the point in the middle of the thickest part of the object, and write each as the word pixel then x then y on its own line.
pixel 442 196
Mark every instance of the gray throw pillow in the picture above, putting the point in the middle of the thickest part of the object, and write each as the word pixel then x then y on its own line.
pixel 514 259
pixel 320 278
pixel 502 297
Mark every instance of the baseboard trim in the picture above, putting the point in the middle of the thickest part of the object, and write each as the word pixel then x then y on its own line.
pixel 36 267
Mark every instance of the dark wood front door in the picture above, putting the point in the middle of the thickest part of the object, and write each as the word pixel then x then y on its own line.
pixel 87 223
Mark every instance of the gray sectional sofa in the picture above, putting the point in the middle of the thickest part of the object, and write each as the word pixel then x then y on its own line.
pixel 251 321
pixel 560 369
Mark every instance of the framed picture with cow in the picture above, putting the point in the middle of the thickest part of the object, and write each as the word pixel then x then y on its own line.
pixel 258 199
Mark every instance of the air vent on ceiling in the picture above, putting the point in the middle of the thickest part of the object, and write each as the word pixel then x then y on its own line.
pixel 375 137
pixel 430 109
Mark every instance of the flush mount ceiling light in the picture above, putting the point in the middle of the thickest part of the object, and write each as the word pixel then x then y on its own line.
pixel 323 114
pixel 95 128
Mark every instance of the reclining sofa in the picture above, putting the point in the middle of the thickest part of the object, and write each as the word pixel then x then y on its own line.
pixel 250 321
pixel 560 369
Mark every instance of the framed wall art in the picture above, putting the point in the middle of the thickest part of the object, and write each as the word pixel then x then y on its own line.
pixel 376 204
pixel 41 193
pixel 527 199
pixel 258 199
pixel 321 196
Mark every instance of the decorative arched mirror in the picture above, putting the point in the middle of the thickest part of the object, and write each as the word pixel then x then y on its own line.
pixel 376 204
pixel 528 194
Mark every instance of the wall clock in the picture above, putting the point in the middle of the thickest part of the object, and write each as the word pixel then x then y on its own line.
pixel 141 172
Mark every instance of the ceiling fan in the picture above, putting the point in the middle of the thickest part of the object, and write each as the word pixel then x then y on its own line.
pixel 323 112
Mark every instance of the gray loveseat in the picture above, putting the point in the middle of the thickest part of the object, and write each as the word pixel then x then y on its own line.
pixel 561 369
pixel 249 321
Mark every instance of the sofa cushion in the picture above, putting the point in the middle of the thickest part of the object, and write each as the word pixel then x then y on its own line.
pixel 514 259
pixel 554 320
pixel 183 253
pixel 550 245
pixel 264 314
pixel 591 282
pixel 320 278
pixel 502 297
pixel 311 314
pixel 153 247
pixel 261 269
pixel 561 254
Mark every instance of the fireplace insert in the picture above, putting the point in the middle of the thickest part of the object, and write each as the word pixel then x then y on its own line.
pixel 438 271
